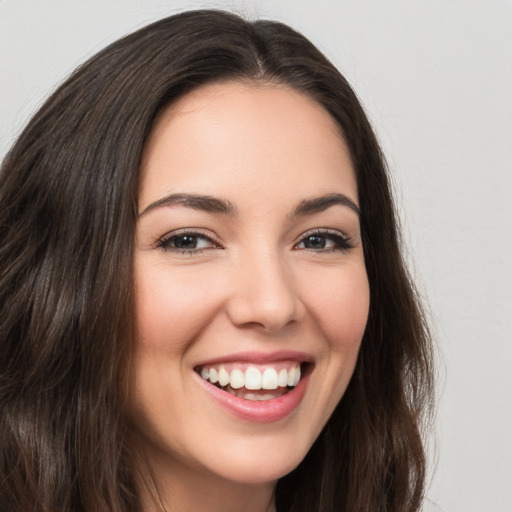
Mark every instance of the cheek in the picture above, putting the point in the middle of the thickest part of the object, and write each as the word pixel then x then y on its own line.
pixel 171 306
pixel 342 309
pixel 339 305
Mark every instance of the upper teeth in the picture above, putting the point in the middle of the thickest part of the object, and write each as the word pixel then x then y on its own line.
pixel 253 377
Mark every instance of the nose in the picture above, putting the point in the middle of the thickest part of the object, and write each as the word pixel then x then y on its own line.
pixel 264 294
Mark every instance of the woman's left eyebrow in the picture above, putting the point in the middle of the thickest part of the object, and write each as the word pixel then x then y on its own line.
pixel 322 203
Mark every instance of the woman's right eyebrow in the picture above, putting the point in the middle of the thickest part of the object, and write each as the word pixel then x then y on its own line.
pixel 195 201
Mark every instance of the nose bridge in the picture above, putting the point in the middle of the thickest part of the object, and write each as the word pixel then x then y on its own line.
pixel 265 290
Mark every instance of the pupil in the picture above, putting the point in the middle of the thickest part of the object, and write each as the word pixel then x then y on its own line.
pixel 315 242
pixel 185 242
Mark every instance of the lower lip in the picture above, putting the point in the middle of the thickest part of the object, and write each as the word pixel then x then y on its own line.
pixel 258 411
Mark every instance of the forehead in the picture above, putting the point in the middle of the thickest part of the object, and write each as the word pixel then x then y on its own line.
pixel 251 136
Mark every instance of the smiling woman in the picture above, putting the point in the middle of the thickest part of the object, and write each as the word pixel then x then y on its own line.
pixel 203 304
pixel 251 281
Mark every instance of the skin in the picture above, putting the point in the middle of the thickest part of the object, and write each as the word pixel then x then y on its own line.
pixel 258 284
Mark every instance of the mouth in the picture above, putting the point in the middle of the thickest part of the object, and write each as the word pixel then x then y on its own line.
pixel 257 387
pixel 255 382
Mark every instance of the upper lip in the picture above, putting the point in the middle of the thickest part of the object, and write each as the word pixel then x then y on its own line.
pixel 260 357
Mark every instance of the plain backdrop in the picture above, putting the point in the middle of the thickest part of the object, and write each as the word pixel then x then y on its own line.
pixel 436 79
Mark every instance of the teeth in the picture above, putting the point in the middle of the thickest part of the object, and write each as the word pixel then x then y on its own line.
pixel 297 376
pixel 223 377
pixel 269 379
pixel 291 376
pixel 214 377
pixel 256 397
pixel 237 380
pixel 253 378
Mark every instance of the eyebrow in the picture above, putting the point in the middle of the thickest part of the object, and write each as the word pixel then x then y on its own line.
pixel 197 202
pixel 225 207
pixel 322 203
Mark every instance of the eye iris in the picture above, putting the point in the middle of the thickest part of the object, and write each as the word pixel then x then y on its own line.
pixel 314 242
pixel 185 242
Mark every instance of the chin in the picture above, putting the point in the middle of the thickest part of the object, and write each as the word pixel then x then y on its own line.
pixel 256 472
pixel 260 459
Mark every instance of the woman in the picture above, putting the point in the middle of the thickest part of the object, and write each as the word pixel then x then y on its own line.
pixel 203 301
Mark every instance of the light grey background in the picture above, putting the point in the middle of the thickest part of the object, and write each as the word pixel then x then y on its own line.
pixel 436 80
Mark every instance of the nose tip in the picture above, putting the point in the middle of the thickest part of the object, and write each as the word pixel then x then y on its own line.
pixel 266 298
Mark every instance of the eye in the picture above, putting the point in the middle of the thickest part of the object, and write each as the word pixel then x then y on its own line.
pixel 186 242
pixel 324 241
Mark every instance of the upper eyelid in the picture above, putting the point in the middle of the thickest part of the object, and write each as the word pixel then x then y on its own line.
pixel 190 231
pixel 197 232
pixel 323 232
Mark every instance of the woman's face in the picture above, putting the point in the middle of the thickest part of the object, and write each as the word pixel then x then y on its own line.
pixel 248 268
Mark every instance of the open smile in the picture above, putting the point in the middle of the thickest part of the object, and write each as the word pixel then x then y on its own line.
pixel 253 382
pixel 260 392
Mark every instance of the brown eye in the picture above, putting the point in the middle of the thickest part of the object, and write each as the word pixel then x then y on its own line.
pixel 184 242
pixel 315 242
pixel 324 241
pixel 188 242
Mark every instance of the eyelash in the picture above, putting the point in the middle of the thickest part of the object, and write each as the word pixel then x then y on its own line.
pixel 340 241
pixel 165 243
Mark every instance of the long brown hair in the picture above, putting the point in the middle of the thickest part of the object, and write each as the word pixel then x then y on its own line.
pixel 68 195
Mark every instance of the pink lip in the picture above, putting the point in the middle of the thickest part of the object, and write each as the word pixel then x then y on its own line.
pixel 265 411
pixel 260 357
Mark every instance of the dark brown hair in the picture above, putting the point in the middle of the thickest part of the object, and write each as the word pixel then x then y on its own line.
pixel 68 197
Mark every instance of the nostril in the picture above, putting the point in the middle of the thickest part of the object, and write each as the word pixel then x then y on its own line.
pixel 249 314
